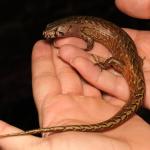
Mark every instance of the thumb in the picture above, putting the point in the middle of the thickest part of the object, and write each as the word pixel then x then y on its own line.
pixel 14 143
pixel 135 8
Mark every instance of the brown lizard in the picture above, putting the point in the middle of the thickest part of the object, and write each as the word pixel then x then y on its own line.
pixel 125 60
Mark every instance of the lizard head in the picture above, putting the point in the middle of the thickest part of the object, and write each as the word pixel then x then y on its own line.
pixel 60 29
pixel 55 32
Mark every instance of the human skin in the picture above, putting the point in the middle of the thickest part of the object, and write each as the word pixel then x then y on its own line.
pixel 135 8
pixel 63 98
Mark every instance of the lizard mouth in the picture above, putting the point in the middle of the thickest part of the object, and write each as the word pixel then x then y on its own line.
pixel 46 36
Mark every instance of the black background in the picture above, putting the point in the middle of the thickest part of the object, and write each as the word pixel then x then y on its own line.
pixel 21 25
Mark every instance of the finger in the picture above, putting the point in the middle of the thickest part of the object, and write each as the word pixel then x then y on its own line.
pixel 135 8
pixel 142 40
pixel 50 77
pixel 14 143
pixel 69 80
pixel 90 90
pixel 45 82
pixel 135 34
pixel 72 41
pixel 76 42
pixel 103 80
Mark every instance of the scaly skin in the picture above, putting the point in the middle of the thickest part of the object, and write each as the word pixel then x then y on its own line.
pixel 124 59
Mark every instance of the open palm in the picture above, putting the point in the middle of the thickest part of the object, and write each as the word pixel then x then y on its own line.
pixel 63 98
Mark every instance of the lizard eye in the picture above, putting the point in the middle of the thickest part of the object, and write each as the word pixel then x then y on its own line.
pixel 59 33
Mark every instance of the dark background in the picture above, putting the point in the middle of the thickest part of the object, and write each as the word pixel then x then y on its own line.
pixel 21 25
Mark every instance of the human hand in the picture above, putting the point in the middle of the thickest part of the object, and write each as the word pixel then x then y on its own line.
pixel 78 59
pixel 135 8
pixel 63 98
pixel 141 39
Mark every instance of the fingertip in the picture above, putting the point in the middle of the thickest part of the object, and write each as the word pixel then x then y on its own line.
pixel 40 48
pixel 135 8
pixel 13 142
pixel 6 128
